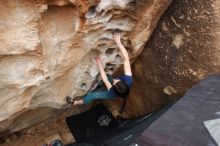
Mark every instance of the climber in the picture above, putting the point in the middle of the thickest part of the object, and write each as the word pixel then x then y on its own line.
pixel 118 87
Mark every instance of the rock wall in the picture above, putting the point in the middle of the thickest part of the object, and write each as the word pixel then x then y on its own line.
pixel 47 47
pixel 183 49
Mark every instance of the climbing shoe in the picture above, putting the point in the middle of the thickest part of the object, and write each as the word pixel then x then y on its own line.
pixel 69 100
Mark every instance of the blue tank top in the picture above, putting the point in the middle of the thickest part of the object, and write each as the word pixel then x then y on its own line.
pixel 128 80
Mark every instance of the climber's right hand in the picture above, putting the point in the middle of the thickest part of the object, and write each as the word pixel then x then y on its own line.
pixel 117 37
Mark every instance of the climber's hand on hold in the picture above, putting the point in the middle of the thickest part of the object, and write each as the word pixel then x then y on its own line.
pixel 117 37
pixel 98 60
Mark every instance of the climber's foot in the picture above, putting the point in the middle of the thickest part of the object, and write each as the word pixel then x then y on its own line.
pixel 69 100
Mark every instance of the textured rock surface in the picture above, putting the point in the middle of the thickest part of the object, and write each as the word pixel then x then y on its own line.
pixel 183 49
pixel 46 50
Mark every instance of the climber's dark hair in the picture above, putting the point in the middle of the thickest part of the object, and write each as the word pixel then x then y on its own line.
pixel 122 89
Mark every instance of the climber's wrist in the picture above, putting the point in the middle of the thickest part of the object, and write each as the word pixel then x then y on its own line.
pixel 118 42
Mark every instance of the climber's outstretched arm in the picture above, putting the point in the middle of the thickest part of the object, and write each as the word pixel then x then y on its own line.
pixel 102 73
pixel 127 64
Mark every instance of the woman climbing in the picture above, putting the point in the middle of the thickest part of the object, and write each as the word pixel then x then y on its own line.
pixel 119 87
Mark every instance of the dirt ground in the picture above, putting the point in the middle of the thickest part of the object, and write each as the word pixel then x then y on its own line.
pixel 178 55
pixel 36 135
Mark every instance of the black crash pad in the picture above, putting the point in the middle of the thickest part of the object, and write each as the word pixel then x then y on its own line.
pixel 125 133
pixel 91 123
pixel 182 124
